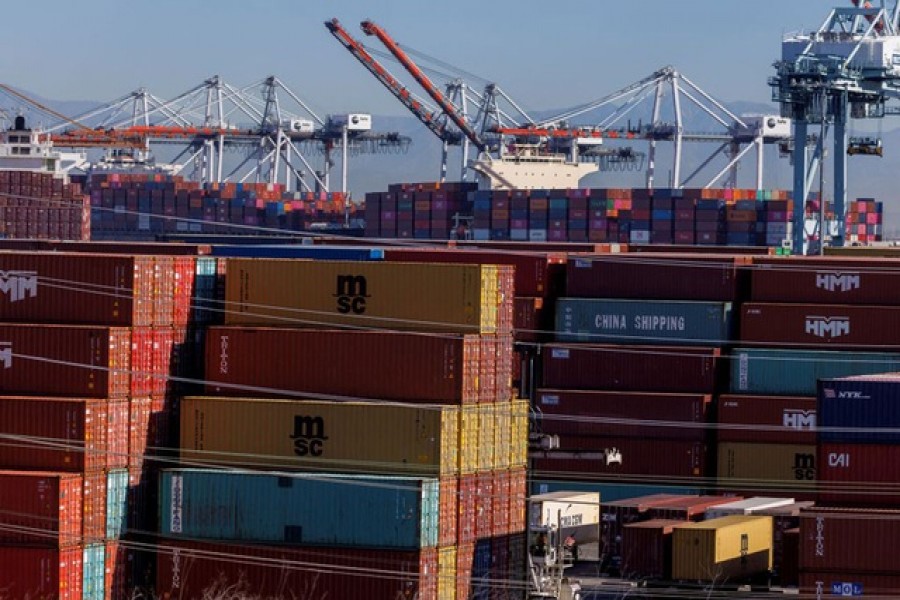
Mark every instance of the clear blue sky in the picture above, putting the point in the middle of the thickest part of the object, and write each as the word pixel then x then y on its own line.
pixel 545 53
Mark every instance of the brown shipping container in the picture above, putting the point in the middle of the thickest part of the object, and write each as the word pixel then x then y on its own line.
pixel 319 435
pixel 76 288
pixel 622 414
pixel 687 508
pixel 539 274
pixel 846 583
pixel 532 320
pixel 818 280
pixel 765 468
pixel 626 368
pixel 849 540
pixel 404 296
pixel 41 573
pixel 647 549
pixel 767 419
pixel 817 325
pixel 617 514
pixel 786 562
pixel 53 434
pixel 659 458
pixel 65 360
pixel 352 364
pixel 40 508
pixel 859 474
pixel 188 569
pixel 660 277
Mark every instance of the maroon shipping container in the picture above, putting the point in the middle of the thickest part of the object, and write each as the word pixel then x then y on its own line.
pixel 41 573
pixel 532 321
pixel 468 491
pixel 817 325
pixel 94 500
pixel 849 540
pixel 383 365
pixel 188 569
pixel 660 277
pixel 448 511
pixel 537 274
pixel 65 360
pixel 617 514
pixel 859 474
pixel 647 549
pixel 53 434
pixel 76 288
pixel 116 567
pixel 786 566
pixel 825 280
pixel 622 414
pixel 843 583
pixel 766 419
pixel 40 508
pixel 688 508
pixel 627 456
pixel 626 368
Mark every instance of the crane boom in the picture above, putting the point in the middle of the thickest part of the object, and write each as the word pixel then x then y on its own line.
pixel 428 118
pixel 370 28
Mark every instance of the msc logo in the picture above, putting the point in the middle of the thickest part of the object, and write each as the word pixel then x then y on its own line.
pixel 839 459
pixel 351 294
pixel 837 282
pixel 793 418
pixel 804 467
pixel 309 435
pixel 6 354
pixel 828 327
pixel 18 284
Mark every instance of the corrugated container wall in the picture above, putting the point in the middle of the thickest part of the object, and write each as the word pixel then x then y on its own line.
pixel 326 436
pixel 729 548
pixel 31 572
pixel 765 468
pixel 849 540
pixel 819 325
pixel 868 405
pixel 859 474
pixel 766 419
pixel 40 508
pixel 647 549
pixel 816 280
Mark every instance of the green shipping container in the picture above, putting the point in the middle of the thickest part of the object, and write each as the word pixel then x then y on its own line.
pixel 94 572
pixel 643 321
pixel 795 372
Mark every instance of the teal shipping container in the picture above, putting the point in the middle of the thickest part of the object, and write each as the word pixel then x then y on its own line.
pixel 93 586
pixel 610 492
pixel 643 321
pixel 116 503
pixel 310 509
pixel 781 372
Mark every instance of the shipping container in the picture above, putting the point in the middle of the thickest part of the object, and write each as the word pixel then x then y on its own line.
pixel 687 508
pixel 116 503
pixel 766 419
pixel 318 509
pixel 786 560
pixel 767 468
pixel 77 428
pixel 405 296
pixel 849 540
pixel 88 289
pixel 859 474
pixel 624 368
pixel 730 548
pixel 448 511
pixel 795 372
pixel 446 586
pixel 532 318
pixel 643 321
pixel 622 414
pixel 819 280
pixel 819 325
pixel 40 508
pixel 34 572
pixel 65 360
pixel 94 498
pixel 747 506
pixel 466 524
pixel 188 569
pixel 576 513
pixel 647 549
pixel 846 583
pixel 348 364
pixel 659 458
pixel 93 582
pixel 518 498
pixel 660 277
pixel 863 409
pixel 319 435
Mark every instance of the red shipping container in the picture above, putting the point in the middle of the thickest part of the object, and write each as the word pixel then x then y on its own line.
pixel 94 499
pixel 468 491
pixel 383 365
pixel 115 571
pixel 658 458
pixel 818 325
pixel 624 368
pixel 40 508
pixel 188 569
pixel 465 559
pixel 448 511
pixel 484 505
pixel 141 361
pixel 500 502
pixel 687 508
pixel 38 573
pixel 138 430
pixel 77 428
pixel 161 361
pixel 77 288
pixel 849 540
pixel 117 433
pixel 615 515
pixel 766 419
pixel 518 499
pixel 859 474
pixel 487 370
pixel 163 290
pixel 504 378
pixel 622 414
pixel 825 280
pixel 65 360
pixel 647 549
pixel 664 277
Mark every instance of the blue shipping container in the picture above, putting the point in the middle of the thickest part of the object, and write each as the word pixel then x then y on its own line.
pixel 334 510
pixel 867 406
pixel 93 572
pixel 779 372
pixel 643 321
pixel 116 503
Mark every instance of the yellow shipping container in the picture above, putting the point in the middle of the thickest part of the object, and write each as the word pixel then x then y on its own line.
pixel 394 295
pixel 502 434
pixel 730 548
pixel 447 573
pixel 519 433
pixel 487 424
pixel 469 417
pixel 318 435
pixel 748 465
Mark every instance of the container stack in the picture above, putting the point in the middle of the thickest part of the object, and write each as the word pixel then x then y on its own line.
pixel 419 210
pixel 413 394
pixel 42 206
pixel 865 221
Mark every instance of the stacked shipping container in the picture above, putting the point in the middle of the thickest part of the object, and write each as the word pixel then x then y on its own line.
pixel 42 206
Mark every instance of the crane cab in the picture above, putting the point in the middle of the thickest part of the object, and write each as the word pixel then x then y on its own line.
pixel 866 146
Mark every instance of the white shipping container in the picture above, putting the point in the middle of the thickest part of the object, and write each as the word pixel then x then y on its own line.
pixel 747 506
